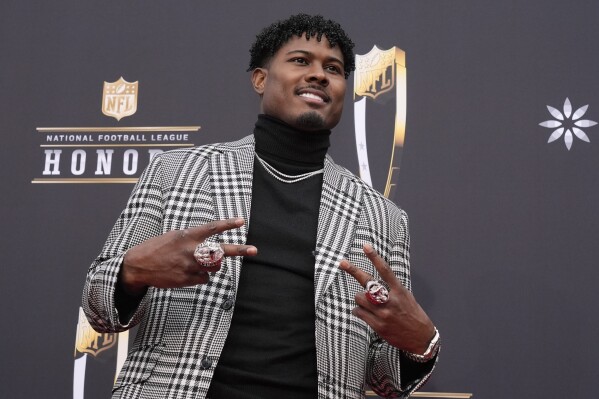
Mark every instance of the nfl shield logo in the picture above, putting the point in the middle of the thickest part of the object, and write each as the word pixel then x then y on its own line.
pixel 90 341
pixel 376 71
pixel 119 98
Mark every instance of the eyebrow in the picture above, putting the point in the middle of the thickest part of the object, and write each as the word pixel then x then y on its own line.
pixel 329 58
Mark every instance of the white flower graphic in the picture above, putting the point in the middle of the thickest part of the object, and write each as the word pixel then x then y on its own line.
pixel 569 123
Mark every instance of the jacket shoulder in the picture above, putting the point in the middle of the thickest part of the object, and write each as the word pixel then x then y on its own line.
pixel 184 164
pixel 206 151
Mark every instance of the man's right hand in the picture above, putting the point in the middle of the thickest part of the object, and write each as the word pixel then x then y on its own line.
pixel 167 261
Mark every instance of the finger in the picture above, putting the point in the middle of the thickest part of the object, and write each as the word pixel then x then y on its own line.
pixel 205 269
pixel 200 233
pixel 360 275
pixel 187 275
pixel 239 250
pixel 367 316
pixel 202 276
pixel 364 303
pixel 385 272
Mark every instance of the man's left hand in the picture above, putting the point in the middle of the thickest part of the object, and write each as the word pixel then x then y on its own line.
pixel 400 321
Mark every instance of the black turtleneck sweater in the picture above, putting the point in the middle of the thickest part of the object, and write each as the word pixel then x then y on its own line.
pixel 270 348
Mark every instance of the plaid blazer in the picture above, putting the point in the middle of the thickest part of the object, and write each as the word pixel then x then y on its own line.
pixel 182 331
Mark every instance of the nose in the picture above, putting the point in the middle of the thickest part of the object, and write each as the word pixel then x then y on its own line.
pixel 317 74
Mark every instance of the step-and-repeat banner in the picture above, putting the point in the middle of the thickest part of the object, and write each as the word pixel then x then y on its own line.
pixel 476 117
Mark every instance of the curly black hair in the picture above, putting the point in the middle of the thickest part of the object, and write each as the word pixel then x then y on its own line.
pixel 273 37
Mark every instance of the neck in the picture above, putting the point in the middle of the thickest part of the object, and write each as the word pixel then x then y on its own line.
pixel 278 141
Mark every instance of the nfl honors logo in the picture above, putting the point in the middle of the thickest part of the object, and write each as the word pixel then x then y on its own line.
pixel 119 98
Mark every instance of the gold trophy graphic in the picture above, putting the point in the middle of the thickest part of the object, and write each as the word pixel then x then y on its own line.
pixel 380 76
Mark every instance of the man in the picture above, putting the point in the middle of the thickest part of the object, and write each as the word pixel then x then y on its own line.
pixel 287 316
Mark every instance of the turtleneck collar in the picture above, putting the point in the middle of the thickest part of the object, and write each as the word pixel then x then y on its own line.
pixel 278 141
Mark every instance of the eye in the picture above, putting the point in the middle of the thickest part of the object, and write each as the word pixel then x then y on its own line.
pixel 299 60
pixel 333 68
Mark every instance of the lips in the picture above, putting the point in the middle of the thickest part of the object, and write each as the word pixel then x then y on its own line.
pixel 314 94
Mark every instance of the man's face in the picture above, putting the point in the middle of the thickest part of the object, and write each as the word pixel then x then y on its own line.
pixel 303 84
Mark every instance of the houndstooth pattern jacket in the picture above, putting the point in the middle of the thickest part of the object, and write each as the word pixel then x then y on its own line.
pixel 182 331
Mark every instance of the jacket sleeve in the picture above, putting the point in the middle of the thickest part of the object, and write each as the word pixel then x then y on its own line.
pixel 141 219
pixel 389 373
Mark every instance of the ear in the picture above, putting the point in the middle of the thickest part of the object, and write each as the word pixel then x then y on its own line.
pixel 259 79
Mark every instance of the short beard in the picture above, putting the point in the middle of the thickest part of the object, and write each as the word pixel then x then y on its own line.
pixel 310 121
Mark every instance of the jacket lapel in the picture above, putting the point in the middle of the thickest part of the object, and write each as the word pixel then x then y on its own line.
pixel 231 181
pixel 340 204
